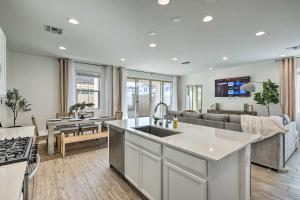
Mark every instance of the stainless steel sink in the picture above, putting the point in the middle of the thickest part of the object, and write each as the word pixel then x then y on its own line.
pixel 159 132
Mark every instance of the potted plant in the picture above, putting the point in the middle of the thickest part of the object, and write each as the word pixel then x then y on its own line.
pixel 269 95
pixel 16 103
pixel 78 108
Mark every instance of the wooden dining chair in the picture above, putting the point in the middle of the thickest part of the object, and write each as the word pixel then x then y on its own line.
pixel 118 115
pixel 38 135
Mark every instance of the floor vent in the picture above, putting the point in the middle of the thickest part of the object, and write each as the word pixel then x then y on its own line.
pixel 52 29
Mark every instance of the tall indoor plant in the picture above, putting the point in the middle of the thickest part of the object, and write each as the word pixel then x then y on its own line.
pixel 268 96
pixel 16 103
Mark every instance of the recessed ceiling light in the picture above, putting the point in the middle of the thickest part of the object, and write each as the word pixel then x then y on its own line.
pixel 260 33
pixel 152 33
pixel 207 18
pixel 282 55
pixel 62 48
pixel 225 58
pixel 163 2
pixel 211 68
pixel 123 59
pixel 152 45
pixel 174 59
pixel 73 21
pixel 176 20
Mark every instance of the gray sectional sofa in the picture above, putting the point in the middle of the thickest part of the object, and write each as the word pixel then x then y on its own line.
pixel 268 152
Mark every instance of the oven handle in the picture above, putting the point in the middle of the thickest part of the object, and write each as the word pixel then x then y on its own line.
pixel 32 174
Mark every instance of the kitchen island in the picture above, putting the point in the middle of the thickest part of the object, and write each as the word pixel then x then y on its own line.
pixel 196 162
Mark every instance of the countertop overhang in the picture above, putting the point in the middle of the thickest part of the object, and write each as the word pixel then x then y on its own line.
pixel 201 141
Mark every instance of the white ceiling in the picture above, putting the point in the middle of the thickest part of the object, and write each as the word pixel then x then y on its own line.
pixel 114 29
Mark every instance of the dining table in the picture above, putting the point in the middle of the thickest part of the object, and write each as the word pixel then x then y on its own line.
pixel 65 121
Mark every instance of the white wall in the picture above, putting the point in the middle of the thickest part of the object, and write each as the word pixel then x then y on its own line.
pixel 258 72
pixel 37 78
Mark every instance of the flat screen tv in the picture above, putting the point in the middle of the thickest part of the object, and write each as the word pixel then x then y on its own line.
pixel 231 87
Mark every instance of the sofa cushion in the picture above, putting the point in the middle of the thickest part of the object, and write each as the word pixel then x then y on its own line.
pixel 184 119
pixel 209 123
pixel 235 119
pixel 191 114
pixel 172 113
pixel 215 117
pixel 233 126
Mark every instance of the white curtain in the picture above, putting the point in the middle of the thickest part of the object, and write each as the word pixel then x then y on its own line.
pixel 124 102
pixel 116 82
pixel 174 98
pixel 71 83
pixel 109 89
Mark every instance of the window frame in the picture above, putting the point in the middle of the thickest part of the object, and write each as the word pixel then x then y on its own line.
pixel 192 90
pixel 95 75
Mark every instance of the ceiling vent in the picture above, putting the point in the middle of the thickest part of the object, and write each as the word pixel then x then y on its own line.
pixel 295 48
pixel 186 63
pixel 52 29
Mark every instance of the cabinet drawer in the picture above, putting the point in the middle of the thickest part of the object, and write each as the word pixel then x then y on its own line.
pixel 185 160
pixel 144 143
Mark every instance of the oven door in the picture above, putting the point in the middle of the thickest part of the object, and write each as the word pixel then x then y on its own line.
pixel 28 185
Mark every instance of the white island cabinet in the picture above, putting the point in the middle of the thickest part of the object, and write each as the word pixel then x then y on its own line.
pixel 179 184
pixel 197 163
pixel 2 64
pixel 143 165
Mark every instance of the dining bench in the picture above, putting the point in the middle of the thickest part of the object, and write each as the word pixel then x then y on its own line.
pixel 79 138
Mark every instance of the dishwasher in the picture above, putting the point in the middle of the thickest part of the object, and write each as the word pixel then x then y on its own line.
pixel 116 148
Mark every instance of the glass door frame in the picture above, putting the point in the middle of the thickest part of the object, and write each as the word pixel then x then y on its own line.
pixel 136 100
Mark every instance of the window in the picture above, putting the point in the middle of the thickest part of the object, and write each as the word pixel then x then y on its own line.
pixel 167 93
pixel 143 95
pixel 88 88
pixel 193 97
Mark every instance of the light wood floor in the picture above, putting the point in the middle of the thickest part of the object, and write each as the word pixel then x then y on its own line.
pixel 87 176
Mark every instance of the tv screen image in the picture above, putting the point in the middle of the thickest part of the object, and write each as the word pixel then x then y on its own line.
pixel 231 87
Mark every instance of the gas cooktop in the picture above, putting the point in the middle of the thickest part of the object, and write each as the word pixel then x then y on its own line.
pixel 15 150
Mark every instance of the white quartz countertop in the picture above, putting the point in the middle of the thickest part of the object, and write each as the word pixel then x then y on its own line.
pixel 26 131
pixel 12 175
pixel 205 142
pixel 11 180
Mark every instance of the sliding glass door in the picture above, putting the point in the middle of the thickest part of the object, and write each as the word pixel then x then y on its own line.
pixel 155 94
pixel 143 98
pixel 131 97
pixel 143 95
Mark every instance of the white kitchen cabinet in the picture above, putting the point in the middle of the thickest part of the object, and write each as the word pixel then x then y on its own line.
pixel 180 184
pixel 143 169
pixel 132 164
pixel 150 174
pixel 2 64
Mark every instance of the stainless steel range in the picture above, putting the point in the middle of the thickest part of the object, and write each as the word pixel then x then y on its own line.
pixel 19 150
